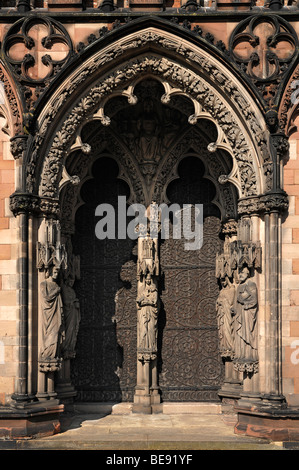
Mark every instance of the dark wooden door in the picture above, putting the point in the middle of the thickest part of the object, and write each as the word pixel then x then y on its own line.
pixel 105 365
pixel 190 367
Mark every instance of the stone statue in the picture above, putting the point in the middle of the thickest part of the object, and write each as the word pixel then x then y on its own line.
pixel 224 305
pixel 148 144
pixel 71 314
pixel 148 308
pixel 51 316
pixel 245 311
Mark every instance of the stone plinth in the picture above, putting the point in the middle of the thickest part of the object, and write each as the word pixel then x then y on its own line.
pixel 276 425
pixel 30 422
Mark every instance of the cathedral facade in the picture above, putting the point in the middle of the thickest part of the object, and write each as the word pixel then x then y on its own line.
pixel 184 113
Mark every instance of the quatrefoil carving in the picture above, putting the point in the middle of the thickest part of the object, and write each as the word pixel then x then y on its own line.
pixel 36 48
pixel 264 47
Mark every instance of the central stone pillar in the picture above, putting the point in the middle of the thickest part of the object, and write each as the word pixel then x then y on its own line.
pixel 147 397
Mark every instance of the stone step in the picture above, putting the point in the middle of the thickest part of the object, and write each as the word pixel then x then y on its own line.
pixel 168 408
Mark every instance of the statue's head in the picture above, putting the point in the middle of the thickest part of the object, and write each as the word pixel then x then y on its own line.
pixel 55 272
pixel 148 279
pixel 70 281
pixel 148 124
pixel 244 273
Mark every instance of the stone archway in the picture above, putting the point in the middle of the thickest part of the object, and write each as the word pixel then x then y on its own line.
pixel 215 95
pixel 121 141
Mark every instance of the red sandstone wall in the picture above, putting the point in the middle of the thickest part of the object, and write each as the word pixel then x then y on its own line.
pixel 8 276
pixel 290 281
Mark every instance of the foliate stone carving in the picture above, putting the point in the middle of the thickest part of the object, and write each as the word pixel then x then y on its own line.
pixel 289 104
pixel 30 203
pixel 179 76
pixel 281 144
pixel 230 228
pixel 272 201
pixel 18 145
pixel 13 103
pixel 276 201
pixel 264 60
pixel 24 202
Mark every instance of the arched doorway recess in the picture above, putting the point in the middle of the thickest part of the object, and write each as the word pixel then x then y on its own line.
pixel 146 133
pixel 218 127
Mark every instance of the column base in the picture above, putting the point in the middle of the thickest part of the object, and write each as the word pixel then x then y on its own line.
pixel 35 420
pixel 145 403
pixel 273 422
pixel 65 391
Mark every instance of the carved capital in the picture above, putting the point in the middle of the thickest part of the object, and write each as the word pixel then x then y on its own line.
pixel 275 202
pixel 281 145
pixel 24 203
pixel 52 365
pixel 230 228
pixel 49 206
pixel 249 206
pixel 31 203
pixel 246 366
pixel 262 204
pixel 18 145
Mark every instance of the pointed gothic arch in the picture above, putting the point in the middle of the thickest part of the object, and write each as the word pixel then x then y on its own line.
pixel 198 73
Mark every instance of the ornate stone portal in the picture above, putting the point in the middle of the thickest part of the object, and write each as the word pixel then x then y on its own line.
pixel 239 158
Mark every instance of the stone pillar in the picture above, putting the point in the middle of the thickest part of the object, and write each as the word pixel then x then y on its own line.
pixel 273 386
pixel 147 397
pixel 21 393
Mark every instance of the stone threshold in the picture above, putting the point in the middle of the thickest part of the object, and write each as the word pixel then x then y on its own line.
pixel 167 408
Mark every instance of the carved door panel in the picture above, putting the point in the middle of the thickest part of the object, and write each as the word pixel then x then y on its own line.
pixel 190 367
pixel 105 365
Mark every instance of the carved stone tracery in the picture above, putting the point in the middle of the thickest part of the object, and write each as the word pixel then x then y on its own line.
pixel 167 71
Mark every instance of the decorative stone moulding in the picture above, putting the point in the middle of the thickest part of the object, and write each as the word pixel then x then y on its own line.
pixel 50 366
pixel 266 203
pixel 157 65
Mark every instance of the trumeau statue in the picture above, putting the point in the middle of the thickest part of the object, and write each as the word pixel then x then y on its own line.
pixel 147 311
pixel 245 310
pixel 52 316
pixel 225 321
pixel 147 298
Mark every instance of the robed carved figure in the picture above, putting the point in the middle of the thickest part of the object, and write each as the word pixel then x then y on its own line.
pixel 52 317
pixel 245 310
pixel 225 322
pixel 148 308
pixel 71 314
